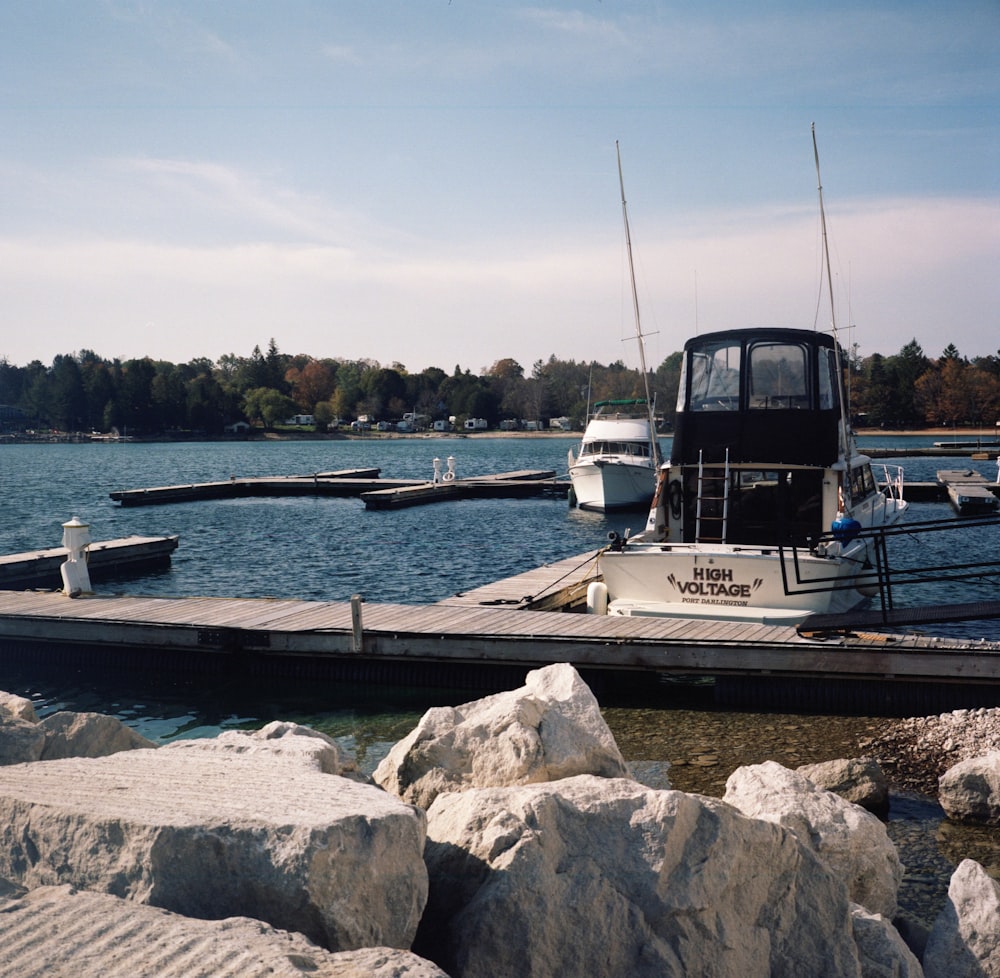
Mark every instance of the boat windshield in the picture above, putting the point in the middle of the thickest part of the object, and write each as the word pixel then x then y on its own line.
pixel 615 448
pixel 715 378
pixel 775 375
pixel 778 376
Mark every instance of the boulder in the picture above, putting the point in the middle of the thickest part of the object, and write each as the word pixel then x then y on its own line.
pixel 218 833
pixel 88 735
pixel 605 877
pixel 882 950
pixel 17 706
pixel 965 939
pixel 21 741
pixel 548 729
pixel 970 791
pixel 851 841
pixel 283 739
pixel 653 774
pixel 859 780
pixel 62 931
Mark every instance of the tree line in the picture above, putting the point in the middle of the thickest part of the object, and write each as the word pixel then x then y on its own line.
pixel 83 392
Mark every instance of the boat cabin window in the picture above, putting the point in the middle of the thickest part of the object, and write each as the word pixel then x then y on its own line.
pixel 615 448
pixel 862 482
pixel 829 382
pixel 778 376
pixel 715 378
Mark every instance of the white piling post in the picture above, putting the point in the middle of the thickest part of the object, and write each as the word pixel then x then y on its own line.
pixel 449 476
pixel 437 471
pixel 76 540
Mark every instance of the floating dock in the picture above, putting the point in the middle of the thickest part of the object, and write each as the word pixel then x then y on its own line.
pixel 377 493
pixel 523 484
pixel 346 482
pixel 108 558
pixel 968 491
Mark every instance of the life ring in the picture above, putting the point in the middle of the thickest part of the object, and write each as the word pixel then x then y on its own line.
pixel 675 493
pixel 448 477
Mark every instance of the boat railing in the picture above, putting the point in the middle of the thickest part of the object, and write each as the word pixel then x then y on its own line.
pixel 876 575
pixel 892 481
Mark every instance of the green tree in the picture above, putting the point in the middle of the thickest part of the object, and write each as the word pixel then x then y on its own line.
pixel 267 405
pixel 67 405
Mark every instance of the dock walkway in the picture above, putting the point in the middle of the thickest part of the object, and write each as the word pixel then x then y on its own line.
pixel 273 637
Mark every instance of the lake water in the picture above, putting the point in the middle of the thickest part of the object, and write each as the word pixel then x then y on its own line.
pixel 329 549
pixel 319 548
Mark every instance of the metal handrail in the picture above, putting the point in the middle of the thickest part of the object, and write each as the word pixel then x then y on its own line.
pixel 882 575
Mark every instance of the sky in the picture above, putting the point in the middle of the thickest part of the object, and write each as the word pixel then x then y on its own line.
pixel 435 183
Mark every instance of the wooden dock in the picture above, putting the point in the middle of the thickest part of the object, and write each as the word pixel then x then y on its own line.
pixel 414 643
pixel 559 586
pixel 107 558
pixel 376 492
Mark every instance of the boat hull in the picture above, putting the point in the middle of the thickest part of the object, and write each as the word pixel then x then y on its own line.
pixel 733 583
pixel 606 485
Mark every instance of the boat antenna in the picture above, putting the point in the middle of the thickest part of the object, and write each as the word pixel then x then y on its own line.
pixel 635 306
pixel 844 408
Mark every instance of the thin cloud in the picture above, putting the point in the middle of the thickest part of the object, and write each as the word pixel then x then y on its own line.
pixel 552 295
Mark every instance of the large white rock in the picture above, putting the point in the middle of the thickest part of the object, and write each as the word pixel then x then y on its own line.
pixel 851 841
pixel 17 706
pixel 21 741
pixel 548 729
pixel 856 779
pixel 604 877
pixel 214 833
pixel 59 931
pixel 70 734
pixel 283 739
pixel 882 951
pixel 965 939
pixel 970 791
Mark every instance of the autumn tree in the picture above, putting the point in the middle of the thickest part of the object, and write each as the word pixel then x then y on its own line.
pixel 311 383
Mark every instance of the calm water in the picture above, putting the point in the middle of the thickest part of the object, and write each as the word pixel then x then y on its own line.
pixel 329 549
pixel 313 548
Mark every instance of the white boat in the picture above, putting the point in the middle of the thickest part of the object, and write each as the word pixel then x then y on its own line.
pixel 616 465
pixel 764 511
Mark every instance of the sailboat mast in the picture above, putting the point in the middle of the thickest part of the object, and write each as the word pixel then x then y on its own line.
pixel 845 426
pixel 635 306
pixel 826 246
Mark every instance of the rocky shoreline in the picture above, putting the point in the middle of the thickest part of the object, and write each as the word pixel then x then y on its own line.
pixel 502 837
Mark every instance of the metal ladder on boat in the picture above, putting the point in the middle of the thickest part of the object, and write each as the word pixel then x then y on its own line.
pixel 712 513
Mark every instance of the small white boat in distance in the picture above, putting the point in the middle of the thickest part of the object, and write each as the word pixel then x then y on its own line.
pixel 615 467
